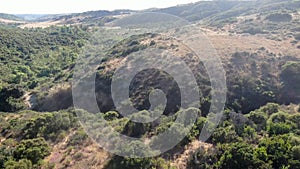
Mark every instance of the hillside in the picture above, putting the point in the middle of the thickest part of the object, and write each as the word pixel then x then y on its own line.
pixel 91 18
pixel 9 17
pixel 259 46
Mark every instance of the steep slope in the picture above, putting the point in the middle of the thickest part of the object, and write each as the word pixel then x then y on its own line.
pixel 262 64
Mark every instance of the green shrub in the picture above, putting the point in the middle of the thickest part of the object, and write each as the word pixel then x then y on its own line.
pixel 296 152
pixel 279 17
pixel 270 108
pixel 197 128
pixel 32 149
pixel 11 99
pixel 21 164
pixel 136 163
pixel 278 128
pixel 111 115
pixel 78 138
pixel 224 135
pixel 237 155
pixel 259 119
pixel 254 30
pixel 278 150
pixel 290 79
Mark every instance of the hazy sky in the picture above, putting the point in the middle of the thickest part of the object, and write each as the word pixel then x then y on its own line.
pixel 73 6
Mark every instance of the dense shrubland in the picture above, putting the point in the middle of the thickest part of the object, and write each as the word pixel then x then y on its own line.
pixel 26 136
pixel 35 59
pixel 255 132
pixel 265 138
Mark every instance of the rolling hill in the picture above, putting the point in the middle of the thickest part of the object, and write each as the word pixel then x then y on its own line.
pixel 259 46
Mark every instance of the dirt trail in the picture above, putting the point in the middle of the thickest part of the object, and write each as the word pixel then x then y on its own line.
pixel 181 161
pixel 29 99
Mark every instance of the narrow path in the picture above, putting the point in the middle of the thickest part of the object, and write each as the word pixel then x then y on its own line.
pixel 29 99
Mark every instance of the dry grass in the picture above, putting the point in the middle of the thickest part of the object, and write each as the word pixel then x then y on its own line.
pixel 87 154
pixel 40 24
pixel 227 44
pixel 182 159
pixel 7 21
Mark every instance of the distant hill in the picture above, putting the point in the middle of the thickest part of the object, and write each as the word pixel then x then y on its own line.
pixel 213 13
pixel 30 17
pixel 85 17
pixel 10 17
pixel 219 10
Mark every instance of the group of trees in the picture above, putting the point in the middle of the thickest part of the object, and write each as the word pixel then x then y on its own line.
pixel 290 78
pixel 255 79
pixel 265 138
pixel 27 137
pixel 26 154
pixel 31 58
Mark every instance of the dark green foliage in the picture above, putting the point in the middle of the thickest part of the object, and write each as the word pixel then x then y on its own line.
pixel 31 57
pixel 136 163
pixel 32 149
pixel 237 155
pixel 111 115
pixel 49 125
pixel 279 17
pixel 134 129
pixel 254 31
pixel 259 119
pixel 34 125
pixel 34 59
pixel 278 128
pixel 78 138
pixel 21 164
pixel 278 150
pixel 296 152
pixel 197 128
pixel 277 124
pixel 290 78
pixel 270 108
pixel 247 90
pixel 295 118
pixel 224 135
pixel 238 144
pixel 290 74
pixel 11 99
pixel 33 130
